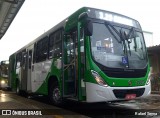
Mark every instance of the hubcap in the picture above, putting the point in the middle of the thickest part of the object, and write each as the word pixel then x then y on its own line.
pixel 56 94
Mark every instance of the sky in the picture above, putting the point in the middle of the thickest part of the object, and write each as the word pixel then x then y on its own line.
pixel 37 16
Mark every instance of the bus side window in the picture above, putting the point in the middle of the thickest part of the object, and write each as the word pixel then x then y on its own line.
pixel 55 45
pixel 70 45
pixel 42 50
pixel 34 54
pixel 51 43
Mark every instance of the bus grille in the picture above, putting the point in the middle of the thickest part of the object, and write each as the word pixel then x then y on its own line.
pixel 122 93
pixel 123 73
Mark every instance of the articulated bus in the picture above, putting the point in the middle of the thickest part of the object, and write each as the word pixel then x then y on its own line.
pixel 4 74
pixel 91 56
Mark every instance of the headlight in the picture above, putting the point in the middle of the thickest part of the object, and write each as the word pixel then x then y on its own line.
pixel 2 82
pixel 98 79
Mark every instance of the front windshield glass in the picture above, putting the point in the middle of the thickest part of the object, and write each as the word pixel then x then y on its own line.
pixel 118 47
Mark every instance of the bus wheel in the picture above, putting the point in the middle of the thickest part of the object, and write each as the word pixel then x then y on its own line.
pixel 55 94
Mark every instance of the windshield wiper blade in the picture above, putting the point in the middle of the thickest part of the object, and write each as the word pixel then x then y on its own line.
pixel 125 37
pixel 107 25
pixel 130 33
pixel 122 37
pixel 119 33
pixel 129 48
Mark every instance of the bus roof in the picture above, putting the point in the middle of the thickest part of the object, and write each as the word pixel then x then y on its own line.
pixel 94 13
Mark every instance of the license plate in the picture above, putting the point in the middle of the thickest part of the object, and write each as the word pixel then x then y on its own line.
pixel 130 96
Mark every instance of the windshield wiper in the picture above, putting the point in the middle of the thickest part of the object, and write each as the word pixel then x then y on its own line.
pixel 123 38
pixel 120 34
pixel 107 25
pixel 131 34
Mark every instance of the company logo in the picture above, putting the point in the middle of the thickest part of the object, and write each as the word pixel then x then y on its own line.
pixel 6 112
pixel 21 112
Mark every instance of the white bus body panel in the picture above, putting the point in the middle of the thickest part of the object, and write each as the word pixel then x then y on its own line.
pixel 39 74
pixel 97 93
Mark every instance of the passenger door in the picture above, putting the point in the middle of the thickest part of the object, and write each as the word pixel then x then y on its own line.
pixel 29 70
pixel 24 70
pixel 70 66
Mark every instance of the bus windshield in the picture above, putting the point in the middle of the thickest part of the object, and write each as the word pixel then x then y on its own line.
pixel 114 46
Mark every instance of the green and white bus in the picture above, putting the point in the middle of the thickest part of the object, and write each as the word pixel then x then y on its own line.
pixel 91 56
pixel 4 74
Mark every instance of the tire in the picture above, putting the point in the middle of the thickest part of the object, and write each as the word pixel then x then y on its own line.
pixel 55 94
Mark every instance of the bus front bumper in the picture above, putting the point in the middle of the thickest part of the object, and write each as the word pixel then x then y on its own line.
pixel 97 93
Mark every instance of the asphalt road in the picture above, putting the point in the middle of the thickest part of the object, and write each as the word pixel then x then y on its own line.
pixel 39 107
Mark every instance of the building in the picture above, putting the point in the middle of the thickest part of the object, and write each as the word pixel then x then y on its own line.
pixel 154 59
pixel 148 36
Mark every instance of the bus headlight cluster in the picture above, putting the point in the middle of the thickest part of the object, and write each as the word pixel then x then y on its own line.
pixel 98 79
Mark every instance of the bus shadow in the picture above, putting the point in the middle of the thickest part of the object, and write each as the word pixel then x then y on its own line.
pixel 94 110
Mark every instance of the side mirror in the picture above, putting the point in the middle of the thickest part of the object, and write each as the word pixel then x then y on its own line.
pixel 88 25
pixel 83 16
pixel 89 28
